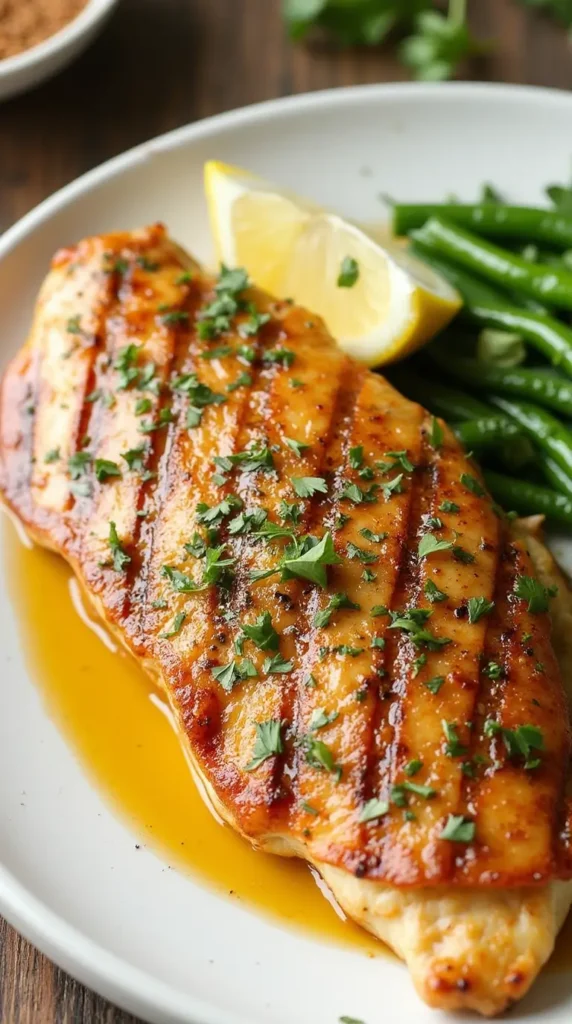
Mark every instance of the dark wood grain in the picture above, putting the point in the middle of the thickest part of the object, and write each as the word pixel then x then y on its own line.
pixel 160 64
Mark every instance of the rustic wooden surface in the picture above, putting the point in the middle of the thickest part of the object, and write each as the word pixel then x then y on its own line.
pixel 160 64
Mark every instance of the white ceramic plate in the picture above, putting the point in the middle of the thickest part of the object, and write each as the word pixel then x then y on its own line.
pixel 152 940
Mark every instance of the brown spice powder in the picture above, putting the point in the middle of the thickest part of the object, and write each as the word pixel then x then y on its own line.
pixel 24 23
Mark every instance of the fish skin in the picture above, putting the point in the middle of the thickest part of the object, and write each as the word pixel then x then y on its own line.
pixel 117 290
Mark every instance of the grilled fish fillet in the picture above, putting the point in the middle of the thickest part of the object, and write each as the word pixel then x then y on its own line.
pixel 356 646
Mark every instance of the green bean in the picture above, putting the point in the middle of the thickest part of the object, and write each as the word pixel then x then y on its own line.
pixel 489 307
pixel 548 284
pixel 548 389
pixel 554 474
pixel 548 433
pixel 494 220
pixel 443 401
pixel 487 431
pixel 529 499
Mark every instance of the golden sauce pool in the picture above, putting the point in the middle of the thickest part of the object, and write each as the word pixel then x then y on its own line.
pixel 119 728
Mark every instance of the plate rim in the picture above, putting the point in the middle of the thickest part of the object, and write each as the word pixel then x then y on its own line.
pixel 71 949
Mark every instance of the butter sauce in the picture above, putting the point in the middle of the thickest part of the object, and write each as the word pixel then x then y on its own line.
pixel 120 728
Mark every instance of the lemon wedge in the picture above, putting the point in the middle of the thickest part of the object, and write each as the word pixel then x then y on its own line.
pixel 378 301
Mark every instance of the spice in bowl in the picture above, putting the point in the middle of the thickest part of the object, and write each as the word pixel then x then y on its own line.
pixel 25 23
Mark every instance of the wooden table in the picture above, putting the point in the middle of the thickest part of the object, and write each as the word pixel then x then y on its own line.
pixel 160 64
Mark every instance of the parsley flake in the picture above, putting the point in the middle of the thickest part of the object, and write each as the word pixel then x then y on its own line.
pixel 268 742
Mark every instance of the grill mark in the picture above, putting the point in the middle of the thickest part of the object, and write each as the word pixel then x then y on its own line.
pixel 488 697
pixel 242 547
pixel 344 410
pixel 89 412
pixel 398 649
pixel 161 444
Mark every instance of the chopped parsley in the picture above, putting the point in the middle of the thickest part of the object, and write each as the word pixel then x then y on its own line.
pixel 355 493
pixel 290 512
pixel 178 622
pixel 297 446
pixel 320 719
pixel 412 622
pixel 349 272
pixel 212 515
pixel 105 468
pixel 532 590
pixel 470 483
pixel 280 356
pixel 319 755
pixel 371 811
pixel 356 456
pixel 179 581
pixel 120 556
pixel 392 486
pixel 479 606
pixel 244 380
pixel 449 506
pixel 493 670
pixel 458 829
pixel 375 538
pixel 413 767
pixel 73 325
pixel 135 457
pixel 429 544
pixel 360 554
pixel 174 316
pixel 519 742
pixel 462 555
pixel 248 521
pixel 336 601
pixel 78 463
pixel 306 559
pixel 453 746
pixel 435 684
pixel 432 592
pixel 142 406
pixel 268 742
pixel 234 672
pixel 262 633
pixel 250 328
pixel 199 395
pixel 125 366
pixel 307 486
pixel 53 455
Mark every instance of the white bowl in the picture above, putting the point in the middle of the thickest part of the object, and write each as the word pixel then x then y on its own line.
pixel 26 69
pixel 156 941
